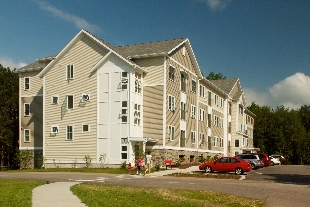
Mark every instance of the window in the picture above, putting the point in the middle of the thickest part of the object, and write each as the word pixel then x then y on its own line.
pixel 237 143
pixel 85 128
pixel 244 141
pixel 202 91
pixel 171 104
pixel 209 98
pixel 26 109
pixel 69 101
pixel 137 114
pixel 69 132
pixel 54 129
pixel 171 133
pixel 138 84
pixel 27 83
pixel 240 110
pixel 201 114
pixel 216 99
pixel 124 80
pixel 70 71
pixel 209 120
pixel 193 137
pixel 171 72
pixel 240 127
pixel 222 103
pixel 209 142
pixel 183 110
pixel 54 100
pixel 124 111
pixel 26 135
pixel 229 127
pixel 124 148
pixel 183 82
pixel 215 142
pixel 182 141
pixel 202 138
pixel 193 112
pixel 193 86
pixel 221 142
pixel 216 120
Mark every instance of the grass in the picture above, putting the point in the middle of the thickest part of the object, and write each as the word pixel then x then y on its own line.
pixel 85 170
pixel 110 195
pixel 17 192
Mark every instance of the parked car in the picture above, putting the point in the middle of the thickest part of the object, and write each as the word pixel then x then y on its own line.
pixel 264 157
pixel 274 161
pixel 226 164
pixel 255 161
pixel 282 159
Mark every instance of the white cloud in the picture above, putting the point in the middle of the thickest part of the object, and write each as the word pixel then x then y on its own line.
pixel 216 4
pixel 8 62
pixel 292 92
pixel 77 21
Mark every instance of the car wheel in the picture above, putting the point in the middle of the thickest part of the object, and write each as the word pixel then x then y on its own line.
pixel 238 171
pixel 253 166
pixel 208 169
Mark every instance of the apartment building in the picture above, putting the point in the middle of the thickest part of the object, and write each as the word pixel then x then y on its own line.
pixel 94 99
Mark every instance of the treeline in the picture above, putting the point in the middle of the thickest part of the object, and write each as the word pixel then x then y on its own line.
pixel 8 117
pixel 283 131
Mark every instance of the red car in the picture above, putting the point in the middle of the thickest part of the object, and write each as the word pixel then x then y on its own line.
pixel 226 164
pixel 264 157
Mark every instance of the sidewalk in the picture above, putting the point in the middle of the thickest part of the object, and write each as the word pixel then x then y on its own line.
pixel 59 195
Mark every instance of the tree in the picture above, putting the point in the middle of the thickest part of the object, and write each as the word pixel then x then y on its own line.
pixel 213 76
pixel 9 115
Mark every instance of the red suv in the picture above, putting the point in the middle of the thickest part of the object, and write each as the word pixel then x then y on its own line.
pixel 264 157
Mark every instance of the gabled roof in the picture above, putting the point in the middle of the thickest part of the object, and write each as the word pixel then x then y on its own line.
pixel 104 44
pixel 225 84
pixel 149 49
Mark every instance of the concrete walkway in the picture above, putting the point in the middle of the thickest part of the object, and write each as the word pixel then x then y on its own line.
pixel 59 195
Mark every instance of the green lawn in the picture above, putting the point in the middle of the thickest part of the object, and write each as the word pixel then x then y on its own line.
pixel 17 192
pixel 110 195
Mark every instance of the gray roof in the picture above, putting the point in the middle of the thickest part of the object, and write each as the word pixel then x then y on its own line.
pixel 37 65
pixel 150 48
pixel 225 84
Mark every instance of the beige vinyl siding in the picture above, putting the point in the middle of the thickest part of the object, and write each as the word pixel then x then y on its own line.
pixel 234 90
pixel 34 81
pixel 183 60
pixel 203 126
pixel 190 122
pixel 155 68
pixel 83 55
pixel 234 111
pixel 153 113
pixel 217 131
pixel 34 122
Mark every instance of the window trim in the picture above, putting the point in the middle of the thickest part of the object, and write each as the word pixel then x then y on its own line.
pixel 194 86
pixel 67 99
pixel 67 133
pixel 201 114
pixel 201 91
pixel 193 137
pixel 171 132
pixel 88 128
pixel 52 100
pixel 171 103
pixel 183 82
pixel 70 71
pixel 28 110
pixel 29 138
pixel 26 83
pixel 171 73
pixel 215 141
pixel 193 111
pixel 52 129
pixel 122 110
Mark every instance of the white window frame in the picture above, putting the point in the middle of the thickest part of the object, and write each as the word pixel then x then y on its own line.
pixel 201 114
pixel 215 142
pixel 194 86
pixel 221 142
pixel 237 140
pixel 201 91
pixel 68 133
pixel 70 71
pixel 27 137
pixel 202 138
pixel 171 130
pixel 54 129
pixel 171 103
pixel 88 128
pixel 57 100
pixel 124 109
pixel 216 99
pixel 26 112
pixel 171 72
pixel 193 111
pixel 183 82
pixel 137 114
pixel 183 110
pixel 193 137
pixel 216 119
pixel 26 83
pixel 222 103
pixel 124 143
pixel 67 97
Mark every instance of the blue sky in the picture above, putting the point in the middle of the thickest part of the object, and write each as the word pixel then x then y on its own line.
pixel 266 44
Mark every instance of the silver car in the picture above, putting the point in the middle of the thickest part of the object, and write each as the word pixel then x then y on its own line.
pixel 255 161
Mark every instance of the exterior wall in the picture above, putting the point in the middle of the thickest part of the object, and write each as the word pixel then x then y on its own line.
pixel 35 84
pixel 155 68
pixel 83 55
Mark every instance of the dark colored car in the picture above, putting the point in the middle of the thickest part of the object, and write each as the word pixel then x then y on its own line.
pixel 281 158
pixel 264 157
pixel 226 164
pixel 255 161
